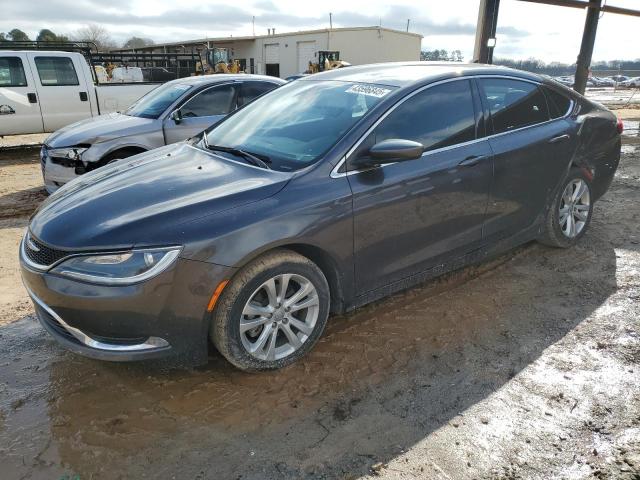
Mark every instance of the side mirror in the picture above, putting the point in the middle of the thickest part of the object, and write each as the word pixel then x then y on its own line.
pixel 176 116
pixel 389 151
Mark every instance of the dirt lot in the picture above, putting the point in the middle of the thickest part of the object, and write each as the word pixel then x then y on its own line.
pixel 528 367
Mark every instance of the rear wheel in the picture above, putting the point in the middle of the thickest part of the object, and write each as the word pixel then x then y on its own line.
pixel 272 312
pixel 570 215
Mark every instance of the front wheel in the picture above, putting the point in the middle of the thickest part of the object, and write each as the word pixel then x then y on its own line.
pixel 570 214
pixel 272 312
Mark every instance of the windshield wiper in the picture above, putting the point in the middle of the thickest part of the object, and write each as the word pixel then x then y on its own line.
pixel 249 157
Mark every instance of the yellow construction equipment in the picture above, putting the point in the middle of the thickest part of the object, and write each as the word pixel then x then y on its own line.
pixel 327 61
pixel 216 60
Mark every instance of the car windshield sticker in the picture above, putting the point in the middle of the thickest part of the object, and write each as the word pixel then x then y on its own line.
pixel 370 90
pixel 182 87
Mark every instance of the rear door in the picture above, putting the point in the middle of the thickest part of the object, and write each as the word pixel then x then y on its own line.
pixel 200 111
pixel 19 107
pixel 531 153
pixel 63 92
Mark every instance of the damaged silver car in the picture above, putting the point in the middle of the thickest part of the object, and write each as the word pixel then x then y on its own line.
pixel 173 112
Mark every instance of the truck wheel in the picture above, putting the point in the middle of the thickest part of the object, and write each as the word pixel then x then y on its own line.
pixel 272 312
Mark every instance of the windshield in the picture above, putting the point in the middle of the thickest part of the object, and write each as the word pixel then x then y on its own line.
pixel 298 123
pixel 154 103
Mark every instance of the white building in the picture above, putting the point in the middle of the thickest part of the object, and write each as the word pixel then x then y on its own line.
pixel 284 54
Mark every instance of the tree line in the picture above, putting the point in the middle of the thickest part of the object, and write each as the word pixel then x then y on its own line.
pixel 90 33
pixel 535 65
pixel 441 55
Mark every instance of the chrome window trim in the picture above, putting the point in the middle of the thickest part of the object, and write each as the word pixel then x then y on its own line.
pixel 336 174
pixel 149 344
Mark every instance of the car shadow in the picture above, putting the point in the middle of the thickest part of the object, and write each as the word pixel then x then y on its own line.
pixel 380 380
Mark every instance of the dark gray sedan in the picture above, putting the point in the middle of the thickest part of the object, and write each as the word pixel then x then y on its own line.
pixel 171 113
pixel 323 195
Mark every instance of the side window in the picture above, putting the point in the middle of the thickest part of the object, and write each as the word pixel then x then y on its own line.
pixel 56 71
pixel 12 72
pixel 513 104
pixel 438 117
pixel 249 91
pixel 214 101
pixel 558 104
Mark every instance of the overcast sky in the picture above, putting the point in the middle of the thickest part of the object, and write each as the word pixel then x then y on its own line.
pixel 524 30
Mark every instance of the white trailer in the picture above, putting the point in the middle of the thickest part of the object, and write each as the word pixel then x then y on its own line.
pixel 42 91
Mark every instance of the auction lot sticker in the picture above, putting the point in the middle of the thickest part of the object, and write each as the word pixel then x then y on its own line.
pixel 369 90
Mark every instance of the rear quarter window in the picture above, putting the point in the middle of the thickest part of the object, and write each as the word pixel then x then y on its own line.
pixel 559 104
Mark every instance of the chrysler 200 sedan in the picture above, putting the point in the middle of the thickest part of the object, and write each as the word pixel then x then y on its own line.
pixel 323 195
pixel 171 113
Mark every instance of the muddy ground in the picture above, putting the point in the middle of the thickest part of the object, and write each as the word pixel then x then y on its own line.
pixel 526 367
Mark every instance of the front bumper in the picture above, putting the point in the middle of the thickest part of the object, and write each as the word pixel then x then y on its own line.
pixel 54 174
pixel 163 317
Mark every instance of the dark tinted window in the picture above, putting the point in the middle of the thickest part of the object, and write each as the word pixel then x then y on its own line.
pixel 214 101
pixel 12 73
pixel 437 117
pixel 56 71
pixel 558 103
pixel 252 90
pixel 514 104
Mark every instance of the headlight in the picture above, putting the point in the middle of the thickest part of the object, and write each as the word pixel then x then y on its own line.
pixel 72 153
pixel 122 268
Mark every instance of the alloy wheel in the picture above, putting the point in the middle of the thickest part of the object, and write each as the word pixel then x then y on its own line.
pixel 279 317
pixel 575 205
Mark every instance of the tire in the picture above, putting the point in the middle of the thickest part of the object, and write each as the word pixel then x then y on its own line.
pixel 559 232
pixel 245 302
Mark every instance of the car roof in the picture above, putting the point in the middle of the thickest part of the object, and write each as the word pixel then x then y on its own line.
pixel 225 77
pixel 403 74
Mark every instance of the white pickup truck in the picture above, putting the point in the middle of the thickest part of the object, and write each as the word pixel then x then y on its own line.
pixel 42 91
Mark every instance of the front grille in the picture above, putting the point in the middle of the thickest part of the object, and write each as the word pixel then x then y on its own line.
pixel 66 162
pixel 41 254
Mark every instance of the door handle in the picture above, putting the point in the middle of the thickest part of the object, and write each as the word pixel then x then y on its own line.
pixel 83 96
pixel 32 98
pixel 471 160
pixel 559 138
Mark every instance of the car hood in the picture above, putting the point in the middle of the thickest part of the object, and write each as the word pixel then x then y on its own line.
pixel 144 200
pixel 98 129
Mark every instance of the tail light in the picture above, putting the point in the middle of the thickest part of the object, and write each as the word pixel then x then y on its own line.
pixel 620 126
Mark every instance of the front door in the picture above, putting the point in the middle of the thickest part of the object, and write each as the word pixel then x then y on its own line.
pixel 199 112
pixel 409 216
pixel 63 91
pixel 19 105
